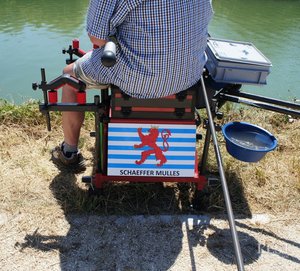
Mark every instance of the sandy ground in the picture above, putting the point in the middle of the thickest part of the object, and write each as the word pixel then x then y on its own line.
pixel 146 243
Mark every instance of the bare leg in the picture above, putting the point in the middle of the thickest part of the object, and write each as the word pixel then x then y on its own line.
pixel 71 121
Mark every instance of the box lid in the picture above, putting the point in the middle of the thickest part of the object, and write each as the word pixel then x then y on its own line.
pixel 236 51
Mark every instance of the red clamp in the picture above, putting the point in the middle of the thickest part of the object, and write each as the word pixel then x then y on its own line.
pixel 81 97
pixel 52 96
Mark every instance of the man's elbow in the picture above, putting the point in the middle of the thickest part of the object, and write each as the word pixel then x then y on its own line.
pixel 96 41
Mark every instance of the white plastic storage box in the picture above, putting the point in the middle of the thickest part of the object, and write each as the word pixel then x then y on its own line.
pixel 236 62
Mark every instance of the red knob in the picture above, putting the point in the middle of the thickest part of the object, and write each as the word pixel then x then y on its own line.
pixel 75 44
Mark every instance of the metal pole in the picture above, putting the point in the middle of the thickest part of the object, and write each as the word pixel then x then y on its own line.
pixel 98 138
pixel 205 151
pixel 235 239
pixel 266 99
pixel 47 114
pixel 274 108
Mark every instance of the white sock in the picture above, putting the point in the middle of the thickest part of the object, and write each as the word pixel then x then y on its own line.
pixel 69 148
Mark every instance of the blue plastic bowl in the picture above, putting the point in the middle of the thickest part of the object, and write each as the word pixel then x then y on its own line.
pixel 247 142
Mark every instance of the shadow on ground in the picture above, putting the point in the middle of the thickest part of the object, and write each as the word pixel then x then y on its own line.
pixel 114 231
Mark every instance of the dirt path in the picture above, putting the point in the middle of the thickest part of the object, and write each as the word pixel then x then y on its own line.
pixel 145 243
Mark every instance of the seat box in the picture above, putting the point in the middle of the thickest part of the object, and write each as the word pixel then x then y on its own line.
pixel 178 106
pixel 153 149
pixel 236 62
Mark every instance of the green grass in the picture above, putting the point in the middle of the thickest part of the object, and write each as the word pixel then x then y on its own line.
pixel 25 113
pixel 28 114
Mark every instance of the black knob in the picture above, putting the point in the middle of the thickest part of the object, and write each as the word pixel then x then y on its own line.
pixel 35 86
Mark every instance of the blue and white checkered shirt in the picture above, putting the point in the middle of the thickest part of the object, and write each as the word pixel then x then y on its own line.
pixel 161 44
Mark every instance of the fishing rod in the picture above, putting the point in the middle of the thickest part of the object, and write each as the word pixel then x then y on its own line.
pixel 234 234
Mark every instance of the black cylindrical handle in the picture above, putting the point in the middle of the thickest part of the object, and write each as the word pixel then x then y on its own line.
pixel 108 58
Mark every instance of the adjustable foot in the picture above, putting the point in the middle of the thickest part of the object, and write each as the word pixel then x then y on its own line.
pixel 95 192
pixel 200 200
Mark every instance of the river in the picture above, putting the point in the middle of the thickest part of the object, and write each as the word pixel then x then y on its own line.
pixel 33 33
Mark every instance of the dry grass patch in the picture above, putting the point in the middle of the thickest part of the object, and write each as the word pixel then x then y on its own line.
pixel 272 184
pixel 30 183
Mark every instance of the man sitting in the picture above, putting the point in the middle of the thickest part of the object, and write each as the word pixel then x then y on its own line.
pixel 161 45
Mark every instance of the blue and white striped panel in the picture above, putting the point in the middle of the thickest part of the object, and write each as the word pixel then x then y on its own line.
pixel 124 150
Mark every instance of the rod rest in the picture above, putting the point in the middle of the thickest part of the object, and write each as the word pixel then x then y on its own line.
pixel 59 82
pixel 73 50
pixel 50 95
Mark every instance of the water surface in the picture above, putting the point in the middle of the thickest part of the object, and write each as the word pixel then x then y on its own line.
pixel 32 34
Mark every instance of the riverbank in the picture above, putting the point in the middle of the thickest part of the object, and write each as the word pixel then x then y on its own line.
pixel 271 185
pixel 46 216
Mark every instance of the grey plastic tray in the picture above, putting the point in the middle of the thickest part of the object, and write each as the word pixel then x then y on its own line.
pixel 236 62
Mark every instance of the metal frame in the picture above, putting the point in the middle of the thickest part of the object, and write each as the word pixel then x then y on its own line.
pixel 101 108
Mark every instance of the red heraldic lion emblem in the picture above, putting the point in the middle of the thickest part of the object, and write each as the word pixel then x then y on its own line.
pixel 150 141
